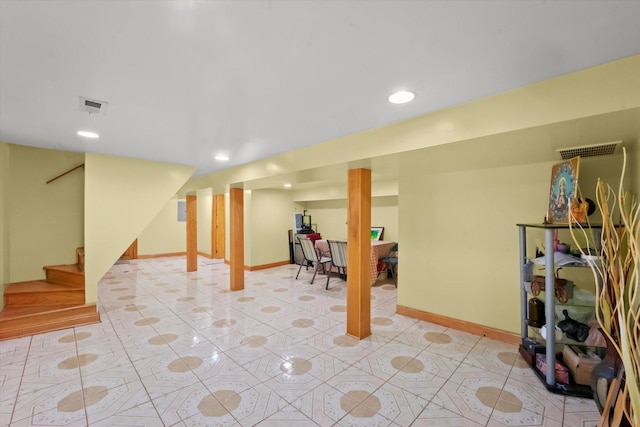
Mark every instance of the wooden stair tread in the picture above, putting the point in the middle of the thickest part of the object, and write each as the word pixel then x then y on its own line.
pixel 38 286
pixel 57 302
pixel 14 324
pixel 17 311
pixel 69 268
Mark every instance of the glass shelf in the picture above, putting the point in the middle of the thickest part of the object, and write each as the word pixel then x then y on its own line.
pixel 580 307
pixel 576 301
pixel 535 333
pixel 557 226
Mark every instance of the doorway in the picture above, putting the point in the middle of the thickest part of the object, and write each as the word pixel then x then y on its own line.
pixel 217 227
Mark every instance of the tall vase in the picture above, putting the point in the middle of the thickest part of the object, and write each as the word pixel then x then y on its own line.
pixel 604 373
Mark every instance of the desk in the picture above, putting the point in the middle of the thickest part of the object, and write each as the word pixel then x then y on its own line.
pixel 379 249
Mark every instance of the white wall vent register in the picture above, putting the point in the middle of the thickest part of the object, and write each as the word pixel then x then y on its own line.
pixel 92 106
pixel 600 149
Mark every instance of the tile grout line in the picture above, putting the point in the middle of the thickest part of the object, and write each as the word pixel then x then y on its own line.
pixel 24 367
pixel 134 368
pixel 84 400
pixel 144 280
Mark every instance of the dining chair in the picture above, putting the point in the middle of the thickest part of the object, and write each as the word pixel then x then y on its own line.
pixel 310 256
pixel 390 264
pixel 338 251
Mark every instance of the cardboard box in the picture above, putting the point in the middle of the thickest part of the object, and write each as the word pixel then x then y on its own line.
pixel 579 364
pixel 562 373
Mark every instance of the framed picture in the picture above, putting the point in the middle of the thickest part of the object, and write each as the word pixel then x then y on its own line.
pixel 564 182
pixel 376 233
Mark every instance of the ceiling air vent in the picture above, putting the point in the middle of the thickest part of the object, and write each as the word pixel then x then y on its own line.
pixel 600 149
pixel 92 106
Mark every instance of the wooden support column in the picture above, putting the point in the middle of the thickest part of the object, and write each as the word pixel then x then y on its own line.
pixel 359 254
pixel 236 251
pixel 192 233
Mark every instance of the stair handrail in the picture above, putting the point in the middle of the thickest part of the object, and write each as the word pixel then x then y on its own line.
pixel 64 173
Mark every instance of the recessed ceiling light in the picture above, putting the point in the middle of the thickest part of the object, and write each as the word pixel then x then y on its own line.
pixel 222 158
pixel 287 185
pixel 401 97
pixel 88 134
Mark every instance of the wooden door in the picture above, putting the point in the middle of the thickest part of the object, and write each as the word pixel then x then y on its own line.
pixel 217 227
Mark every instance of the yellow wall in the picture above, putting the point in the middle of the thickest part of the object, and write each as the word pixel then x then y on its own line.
pixel 459 255
pixel 331 217
pixel 122 196
pixel 634 171
pixel 268 217
pixel 328 208
pixel 384 213
pixel 165 234
pixel 250 232
pixel 205 205
pixel 339 192
pixel 46 220
pixel 4 220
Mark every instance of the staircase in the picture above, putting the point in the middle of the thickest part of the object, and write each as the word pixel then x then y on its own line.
pixel 57 302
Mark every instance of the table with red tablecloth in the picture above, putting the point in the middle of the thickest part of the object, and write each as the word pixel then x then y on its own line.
pixel 379 249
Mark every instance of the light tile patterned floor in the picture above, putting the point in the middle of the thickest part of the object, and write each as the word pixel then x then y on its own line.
pixel 177 348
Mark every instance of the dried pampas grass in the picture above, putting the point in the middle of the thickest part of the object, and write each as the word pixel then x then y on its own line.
pixel 617 291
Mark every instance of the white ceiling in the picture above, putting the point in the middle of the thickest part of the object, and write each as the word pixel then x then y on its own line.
pixel 186 80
